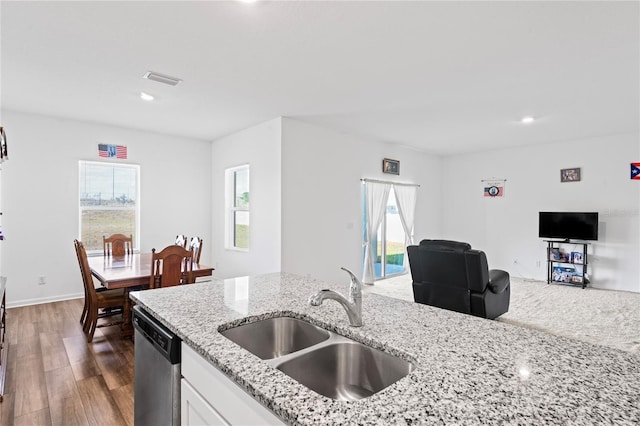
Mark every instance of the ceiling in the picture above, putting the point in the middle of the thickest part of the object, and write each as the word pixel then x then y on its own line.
pixel 442 77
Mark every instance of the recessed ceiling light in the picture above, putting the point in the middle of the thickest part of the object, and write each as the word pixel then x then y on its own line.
pixel 524 373
pixel 146 97
pixel 527 120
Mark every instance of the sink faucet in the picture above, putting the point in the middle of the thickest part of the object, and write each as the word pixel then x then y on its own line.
pixel 353 305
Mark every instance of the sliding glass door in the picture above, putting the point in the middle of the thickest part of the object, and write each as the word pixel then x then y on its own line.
pixel 388 210
pixel 389 242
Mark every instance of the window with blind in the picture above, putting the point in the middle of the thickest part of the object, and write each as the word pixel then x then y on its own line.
pixel 109 202
pixel 237 206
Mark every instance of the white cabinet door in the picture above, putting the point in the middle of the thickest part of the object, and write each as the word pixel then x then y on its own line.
pixel 195 411
pixel 230 403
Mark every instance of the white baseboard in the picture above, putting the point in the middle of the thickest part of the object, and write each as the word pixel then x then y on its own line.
pixel 39 301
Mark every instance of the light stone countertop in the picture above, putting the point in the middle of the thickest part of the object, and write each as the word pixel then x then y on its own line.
pixel 469 370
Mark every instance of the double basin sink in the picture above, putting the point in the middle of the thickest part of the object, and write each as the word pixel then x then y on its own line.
pixel 325 362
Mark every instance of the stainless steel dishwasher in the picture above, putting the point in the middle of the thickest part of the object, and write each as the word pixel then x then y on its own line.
pixel 157 372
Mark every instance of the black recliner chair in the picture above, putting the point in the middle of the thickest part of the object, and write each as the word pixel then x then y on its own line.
pixel 451 275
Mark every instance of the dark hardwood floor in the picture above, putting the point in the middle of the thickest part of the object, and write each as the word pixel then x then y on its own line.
pixel 55 377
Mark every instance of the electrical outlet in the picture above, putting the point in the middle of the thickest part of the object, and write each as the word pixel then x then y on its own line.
pixel 42 280
pixel 538 263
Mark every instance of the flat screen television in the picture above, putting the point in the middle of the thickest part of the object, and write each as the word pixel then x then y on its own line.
pixel 568 225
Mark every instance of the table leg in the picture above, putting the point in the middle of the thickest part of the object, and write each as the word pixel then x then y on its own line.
pixel 127 328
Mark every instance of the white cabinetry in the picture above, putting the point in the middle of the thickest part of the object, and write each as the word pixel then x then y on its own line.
pixel 194 410
pixel 209 397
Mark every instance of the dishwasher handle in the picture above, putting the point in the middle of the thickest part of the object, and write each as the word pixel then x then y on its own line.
pixel 163 339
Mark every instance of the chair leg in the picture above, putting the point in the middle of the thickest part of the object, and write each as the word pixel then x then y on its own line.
pixel 83 317
pixel 87 322
pixel 91 323
pixel 92 330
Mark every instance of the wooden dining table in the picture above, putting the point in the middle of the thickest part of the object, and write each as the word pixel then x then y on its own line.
pixel 129 272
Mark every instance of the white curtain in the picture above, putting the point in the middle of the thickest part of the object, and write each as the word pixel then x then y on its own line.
pixel 406 200
pixel 376 196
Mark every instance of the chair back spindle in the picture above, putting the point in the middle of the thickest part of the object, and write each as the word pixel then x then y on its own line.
pixel 196 246
pixel 181 241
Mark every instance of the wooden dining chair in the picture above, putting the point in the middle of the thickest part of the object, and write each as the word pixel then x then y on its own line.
pixel 196 246
pixel 85 308
pixel 181 241
pixel 171 266
pixel 117 245
pixel 113 300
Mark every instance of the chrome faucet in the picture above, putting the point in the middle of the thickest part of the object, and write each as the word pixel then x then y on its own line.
pixel 353 305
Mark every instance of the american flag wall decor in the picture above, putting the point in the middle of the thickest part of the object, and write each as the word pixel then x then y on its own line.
pixel 112 151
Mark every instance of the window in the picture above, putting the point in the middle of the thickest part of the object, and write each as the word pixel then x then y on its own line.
pixel 237 202
pixel 109 202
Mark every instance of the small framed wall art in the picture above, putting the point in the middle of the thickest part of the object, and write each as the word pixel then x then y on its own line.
pixel 4 154
pixel 391 166
pixel 570 175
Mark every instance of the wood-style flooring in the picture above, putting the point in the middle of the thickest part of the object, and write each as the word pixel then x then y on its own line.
pixel 55 377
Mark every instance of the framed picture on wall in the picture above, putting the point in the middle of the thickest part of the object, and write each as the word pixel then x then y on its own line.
pixel 570 175
pixel 391 166
pixel 3 145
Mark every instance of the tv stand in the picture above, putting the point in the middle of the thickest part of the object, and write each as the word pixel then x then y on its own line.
pixel 567 267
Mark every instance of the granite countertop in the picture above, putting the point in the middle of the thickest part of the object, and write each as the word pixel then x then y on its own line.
pixel 469 370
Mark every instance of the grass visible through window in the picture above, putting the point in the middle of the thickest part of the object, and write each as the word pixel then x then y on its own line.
pixel 242 236
pixel 96 223
pixel 395 253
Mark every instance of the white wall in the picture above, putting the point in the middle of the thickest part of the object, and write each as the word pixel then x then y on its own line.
pixel 306 199
pixel 321 196
pixel 40 197
pixel 258 146
pixel 507 228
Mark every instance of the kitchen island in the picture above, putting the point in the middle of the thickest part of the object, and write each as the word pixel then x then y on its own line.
pixel 468 370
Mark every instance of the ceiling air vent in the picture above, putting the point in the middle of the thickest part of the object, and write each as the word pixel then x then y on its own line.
pixel 172 81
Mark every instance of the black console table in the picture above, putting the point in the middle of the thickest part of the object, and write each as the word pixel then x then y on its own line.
pixel 567 267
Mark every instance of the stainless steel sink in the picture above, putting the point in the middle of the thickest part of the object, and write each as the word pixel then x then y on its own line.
pixel 325 362
pixel 276 337
pixel 346 370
